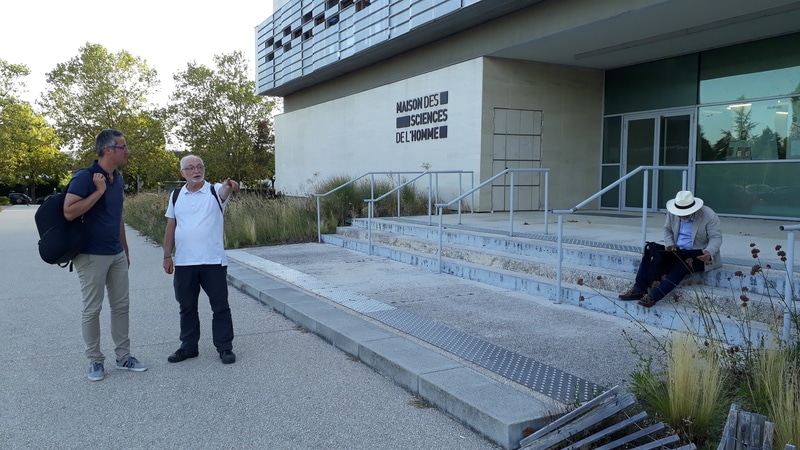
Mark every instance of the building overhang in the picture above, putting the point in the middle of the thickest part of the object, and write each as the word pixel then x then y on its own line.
pixel 660 29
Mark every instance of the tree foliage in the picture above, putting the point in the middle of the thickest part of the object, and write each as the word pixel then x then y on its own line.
pixel 11 81
pixel 96 90
pixel 220 118
pixel 29 148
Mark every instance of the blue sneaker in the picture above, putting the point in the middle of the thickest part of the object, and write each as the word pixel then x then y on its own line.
pixel 96 371
pixel 131 363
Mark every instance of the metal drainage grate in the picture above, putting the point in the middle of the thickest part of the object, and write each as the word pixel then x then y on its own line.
pixel 547 380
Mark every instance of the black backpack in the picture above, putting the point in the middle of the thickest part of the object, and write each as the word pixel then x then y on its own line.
pixel 60 240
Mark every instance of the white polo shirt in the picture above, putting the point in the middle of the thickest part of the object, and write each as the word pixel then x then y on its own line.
pixel 199 235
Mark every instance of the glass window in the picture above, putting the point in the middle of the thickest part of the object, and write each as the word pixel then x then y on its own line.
pixel 667 83
pixel 743 130
pixel 759 189
pixel 765 68
pixel 612 139
pixel 609 175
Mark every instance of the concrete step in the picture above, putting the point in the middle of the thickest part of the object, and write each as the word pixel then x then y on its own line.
pixel 604 257
pixel 587 285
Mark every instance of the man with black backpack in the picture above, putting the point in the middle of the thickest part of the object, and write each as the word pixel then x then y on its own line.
pixel 97 194
pixel 195 232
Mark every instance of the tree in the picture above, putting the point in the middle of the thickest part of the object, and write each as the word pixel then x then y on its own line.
pixel 11 81
pixel 743 124
pixel 97 90
pixel 221 119
pixel 29 148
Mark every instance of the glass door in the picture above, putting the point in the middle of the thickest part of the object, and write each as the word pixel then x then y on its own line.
pixel 658 139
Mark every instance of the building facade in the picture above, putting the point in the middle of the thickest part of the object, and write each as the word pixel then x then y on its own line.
pixel 590 90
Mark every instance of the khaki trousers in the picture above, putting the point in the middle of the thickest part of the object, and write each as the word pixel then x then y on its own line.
pixel 98 273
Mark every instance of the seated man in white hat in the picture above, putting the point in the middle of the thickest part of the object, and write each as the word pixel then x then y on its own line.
pixel 692 238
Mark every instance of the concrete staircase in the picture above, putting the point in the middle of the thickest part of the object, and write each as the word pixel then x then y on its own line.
pixel 593 273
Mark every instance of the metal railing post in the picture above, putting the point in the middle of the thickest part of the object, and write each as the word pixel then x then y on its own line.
pixel 472 196
pixel 439 251
pixel 430 201
pixel 546 200
pixel 560 256
pixel 460 191
pixel 319 222
pixel 369 226
pixel 399 182
pixel 788 292
pixel 511 208
pixel 645 192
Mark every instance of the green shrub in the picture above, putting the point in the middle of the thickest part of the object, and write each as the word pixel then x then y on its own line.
pixel 347 202
pixel 762 378
pixel 250 220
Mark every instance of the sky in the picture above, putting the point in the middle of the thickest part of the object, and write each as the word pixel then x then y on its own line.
pixel 167 34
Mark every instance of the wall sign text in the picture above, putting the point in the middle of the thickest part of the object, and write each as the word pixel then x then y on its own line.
pixel 422 118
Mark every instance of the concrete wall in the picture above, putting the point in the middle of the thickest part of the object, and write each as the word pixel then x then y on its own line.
pixel 359 133
pixel 571 100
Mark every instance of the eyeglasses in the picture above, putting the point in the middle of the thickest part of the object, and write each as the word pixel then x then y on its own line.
pixel 119 147
pixel 192 168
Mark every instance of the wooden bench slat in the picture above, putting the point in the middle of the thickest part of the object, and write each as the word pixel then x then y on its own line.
pixel 659 443
pixel 605 396
pixel 583 422
pixel 728 441
pixel 610 430
pixel 632 437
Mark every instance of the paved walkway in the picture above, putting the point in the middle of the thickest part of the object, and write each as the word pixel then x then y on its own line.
pixel 288 389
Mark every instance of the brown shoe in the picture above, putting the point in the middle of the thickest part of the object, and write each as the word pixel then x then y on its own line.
pixel 647 302
pixel 630 294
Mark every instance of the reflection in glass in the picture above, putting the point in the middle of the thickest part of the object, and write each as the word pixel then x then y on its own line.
pixel 759 69
pixel 673 151
pixel 639 152
pixel 609 175
pixel 749 131
pixel 612 139
pixel 760 189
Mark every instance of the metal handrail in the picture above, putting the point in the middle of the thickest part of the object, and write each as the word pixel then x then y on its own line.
pixel 371 204
pixel 440 206
pixel 788 294
pixel 372 192
pixel 430 173
pixel 645 194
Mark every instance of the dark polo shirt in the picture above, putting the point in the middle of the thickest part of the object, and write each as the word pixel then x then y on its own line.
pixel 103 220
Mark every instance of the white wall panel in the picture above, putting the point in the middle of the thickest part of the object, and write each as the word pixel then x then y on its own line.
pixel 358 134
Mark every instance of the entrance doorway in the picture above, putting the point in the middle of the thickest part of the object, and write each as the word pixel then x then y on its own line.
pixel 661 140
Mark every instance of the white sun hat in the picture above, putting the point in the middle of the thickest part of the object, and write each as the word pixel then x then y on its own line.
pixel 684 204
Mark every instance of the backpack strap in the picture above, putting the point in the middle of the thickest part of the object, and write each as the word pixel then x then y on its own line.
pixel 214 193
pixel 177 191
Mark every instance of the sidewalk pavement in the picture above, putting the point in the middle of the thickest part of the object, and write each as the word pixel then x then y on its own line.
pixel 288 389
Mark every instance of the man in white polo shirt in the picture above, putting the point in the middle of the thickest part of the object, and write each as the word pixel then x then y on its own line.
pixel 195 231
